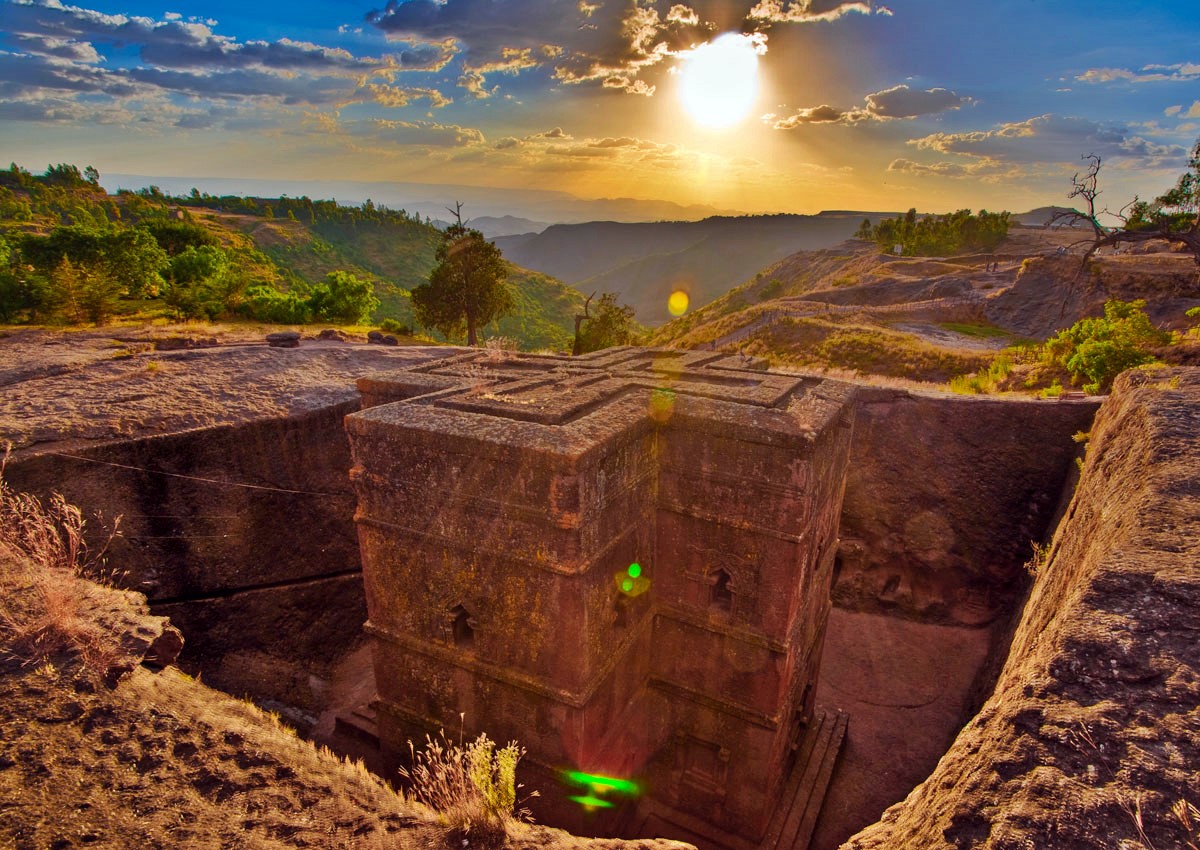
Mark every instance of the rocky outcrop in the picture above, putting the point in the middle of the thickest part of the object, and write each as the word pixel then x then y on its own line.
pixel 1090 736
pixel 242 534
pixel 1051 293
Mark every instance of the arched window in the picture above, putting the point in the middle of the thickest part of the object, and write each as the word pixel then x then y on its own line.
pixel 462 627
pixel 720 595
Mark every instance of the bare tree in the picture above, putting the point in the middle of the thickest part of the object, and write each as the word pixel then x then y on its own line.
pixel 580 318
pixel 1174 215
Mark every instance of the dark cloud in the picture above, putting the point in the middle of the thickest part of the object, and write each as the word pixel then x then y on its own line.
pixel 890 104
pixel 188 58
pixel 824 114
pixel 174 43
pixel 22 74
pixel 63 48
pixel 903 102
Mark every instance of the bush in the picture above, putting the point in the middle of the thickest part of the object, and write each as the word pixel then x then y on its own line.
pixel 267 304
pixel 1099 349
pixel 392 326
pixel 472 788
pixel 343 297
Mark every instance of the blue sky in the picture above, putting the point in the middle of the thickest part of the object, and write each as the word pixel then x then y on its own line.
pixel 859 104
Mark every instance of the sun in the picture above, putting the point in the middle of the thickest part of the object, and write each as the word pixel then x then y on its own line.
pixel 719 81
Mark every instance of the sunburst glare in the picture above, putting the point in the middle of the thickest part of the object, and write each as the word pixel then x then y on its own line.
pixel 719 80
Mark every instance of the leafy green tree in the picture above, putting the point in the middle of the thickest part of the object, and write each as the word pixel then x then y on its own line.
pixel 1100 348
pixel 343 297
pixel 939 235
pixel 176 236
pixel 129 257
pixel 194 277
pixel 466 287
pixel 611 324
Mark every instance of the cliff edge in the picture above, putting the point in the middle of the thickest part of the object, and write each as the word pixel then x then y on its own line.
pixel 1090 737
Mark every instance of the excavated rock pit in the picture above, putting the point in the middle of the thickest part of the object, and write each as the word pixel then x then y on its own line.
pixel 942 500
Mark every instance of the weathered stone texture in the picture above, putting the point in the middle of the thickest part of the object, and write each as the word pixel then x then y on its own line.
pixel 501 504
pixel 945 495
pixel 1095 719
pixel 269 568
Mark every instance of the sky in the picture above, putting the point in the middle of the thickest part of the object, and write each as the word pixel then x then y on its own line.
pixel 748 105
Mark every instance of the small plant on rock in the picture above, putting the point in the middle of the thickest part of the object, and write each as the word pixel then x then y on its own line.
pixel 43 606
pixel 471 787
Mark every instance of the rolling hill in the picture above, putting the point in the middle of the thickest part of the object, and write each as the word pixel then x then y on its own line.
pixel 284 243
pixel 643 263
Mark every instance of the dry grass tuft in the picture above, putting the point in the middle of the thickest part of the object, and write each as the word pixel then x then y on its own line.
pixel 472 788
pixel 43 611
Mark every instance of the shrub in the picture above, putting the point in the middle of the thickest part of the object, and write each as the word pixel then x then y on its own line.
pixel 267 304
pixel 472 788
pixel 392 326
pixel 1099 349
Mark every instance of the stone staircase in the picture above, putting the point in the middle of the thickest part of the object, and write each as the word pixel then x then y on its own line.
pixel 795 817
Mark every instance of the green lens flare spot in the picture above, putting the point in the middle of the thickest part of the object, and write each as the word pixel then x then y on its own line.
pixel 635 570
pixel 591 802
pixel 627 585
pixel 599 783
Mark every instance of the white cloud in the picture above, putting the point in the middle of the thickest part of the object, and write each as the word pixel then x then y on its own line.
pixel 1180 72
pixel 1050 138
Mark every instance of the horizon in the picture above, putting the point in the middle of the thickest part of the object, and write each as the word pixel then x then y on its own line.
pixel 727 108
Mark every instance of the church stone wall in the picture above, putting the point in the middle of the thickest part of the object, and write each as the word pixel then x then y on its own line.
pixel 501 506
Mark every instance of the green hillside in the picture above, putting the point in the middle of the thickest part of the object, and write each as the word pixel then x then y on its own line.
pixel 268 259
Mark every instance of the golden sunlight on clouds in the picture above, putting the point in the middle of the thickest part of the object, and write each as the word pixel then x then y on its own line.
pixel 718 85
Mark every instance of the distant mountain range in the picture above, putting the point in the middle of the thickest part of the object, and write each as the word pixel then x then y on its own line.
pixel 643 263
pixel 431 200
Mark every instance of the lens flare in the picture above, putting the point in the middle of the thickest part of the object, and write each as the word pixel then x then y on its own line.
pixel 677 303
pixel 662 405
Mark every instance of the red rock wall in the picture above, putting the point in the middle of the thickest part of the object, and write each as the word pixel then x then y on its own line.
pixel 1094 722
pixel 944 496
pixel 264 581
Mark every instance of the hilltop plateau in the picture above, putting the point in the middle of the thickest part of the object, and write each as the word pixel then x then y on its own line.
pixel 931 319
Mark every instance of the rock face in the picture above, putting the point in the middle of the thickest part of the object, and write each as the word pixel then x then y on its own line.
pixel 271 567
pixel 623 560
pixel 1091 732
pixel 943 498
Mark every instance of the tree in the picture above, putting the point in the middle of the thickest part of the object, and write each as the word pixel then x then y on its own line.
pixel 466 287
pixel 193 286
pixel 343 297
pixel 1173 215
pixel 611 324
